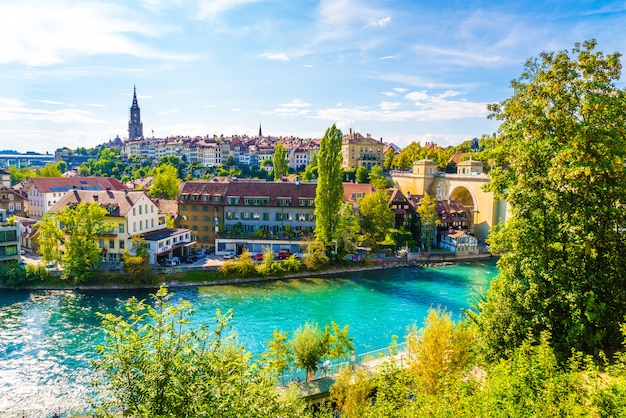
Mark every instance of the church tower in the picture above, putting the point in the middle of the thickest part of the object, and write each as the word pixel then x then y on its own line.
pixel 135 127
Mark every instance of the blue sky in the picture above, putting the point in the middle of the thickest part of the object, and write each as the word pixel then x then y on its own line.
pixel 403 71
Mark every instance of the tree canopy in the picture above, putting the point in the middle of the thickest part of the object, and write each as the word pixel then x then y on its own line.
pixel 563 249
pixel 76 229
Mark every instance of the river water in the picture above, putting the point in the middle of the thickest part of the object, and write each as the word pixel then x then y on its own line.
pixel 48 337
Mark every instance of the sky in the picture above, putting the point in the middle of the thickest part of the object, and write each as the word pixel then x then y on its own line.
pixel 401 70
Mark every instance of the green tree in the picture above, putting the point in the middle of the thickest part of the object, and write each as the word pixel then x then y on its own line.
pixel 429 220
pixel 152 364
pixel 166 183
pixel 50 170
pixel 563 131
pixel 362 175
pixel 376 217
pixel 377 178
pixel 278 356
pixel 388 159
pixel 315 257
pixel 348 230
pixel 307 347
pixel 329 190
pixel 136 261
pixel 77 229
pixel 280 162
pixel 339 344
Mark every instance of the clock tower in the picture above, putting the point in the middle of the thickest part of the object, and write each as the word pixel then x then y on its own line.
pixel 135 127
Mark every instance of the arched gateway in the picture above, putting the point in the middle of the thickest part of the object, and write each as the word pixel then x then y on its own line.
pixel 465 185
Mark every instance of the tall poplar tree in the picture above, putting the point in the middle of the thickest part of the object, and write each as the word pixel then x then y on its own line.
pixel 329 190
pixel 280 161
pixel 564 247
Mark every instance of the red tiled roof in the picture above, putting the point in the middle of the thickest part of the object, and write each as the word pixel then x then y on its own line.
pixel 48 184
pixel 122 201
pixel 243 188
pixel 349 188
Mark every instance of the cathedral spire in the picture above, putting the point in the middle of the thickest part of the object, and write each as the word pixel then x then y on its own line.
pixel 260 132
pixel 135 126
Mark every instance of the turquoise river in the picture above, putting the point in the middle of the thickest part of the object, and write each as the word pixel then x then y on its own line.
pixel 47 338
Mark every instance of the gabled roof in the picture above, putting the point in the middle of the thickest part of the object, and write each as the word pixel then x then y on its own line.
pixel 63 184
pixel 120 201
pixel 350 188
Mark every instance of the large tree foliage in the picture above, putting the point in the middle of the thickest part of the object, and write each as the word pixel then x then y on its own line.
pixel 329 190
pixel 376 217
pixel 562 268
pixel 280 161
pixel 427 211
pixel 166 183
pixel 152 364
pixel 76 229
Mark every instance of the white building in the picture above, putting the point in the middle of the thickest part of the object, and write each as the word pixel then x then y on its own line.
pixel 459 242
pixel 45 192
pixel 132 213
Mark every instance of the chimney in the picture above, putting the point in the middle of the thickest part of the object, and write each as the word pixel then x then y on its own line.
pixel 95 198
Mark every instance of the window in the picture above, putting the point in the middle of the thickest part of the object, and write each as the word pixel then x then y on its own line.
pixel 122 244
pixel 111 244
pixel 140 209
pixel 120 228
pixel 205 208
pixel 266 216
pixel 140 224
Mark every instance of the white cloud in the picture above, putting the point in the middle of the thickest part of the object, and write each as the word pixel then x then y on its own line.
pixel 294 108
pixel 14 110
pixel 54 102
pixel 380 23
pixel 275 56
pixel 387 106
pixel 39 33
pixel 211 9
pixel 389 57
pixel 426 108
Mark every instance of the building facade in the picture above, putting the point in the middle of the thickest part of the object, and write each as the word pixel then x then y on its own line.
pixel 130 213
pixel 246 209
pixel 361 151
pixel 45 192
pixel 9 239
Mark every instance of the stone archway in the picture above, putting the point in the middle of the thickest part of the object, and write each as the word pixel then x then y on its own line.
pixel 466 196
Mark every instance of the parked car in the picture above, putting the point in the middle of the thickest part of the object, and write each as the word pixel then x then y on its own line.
pixel 191 259
pixel 284 254
pixel 174 261
pixel 258 257
pixel 229 256
pixel 200 254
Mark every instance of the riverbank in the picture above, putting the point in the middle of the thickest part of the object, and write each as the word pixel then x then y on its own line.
pixel 177 277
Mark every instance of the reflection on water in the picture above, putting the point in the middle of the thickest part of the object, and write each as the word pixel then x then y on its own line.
pixel 48 337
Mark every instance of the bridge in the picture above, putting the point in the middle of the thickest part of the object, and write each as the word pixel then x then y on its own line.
pixel 25 160
pixel 466 185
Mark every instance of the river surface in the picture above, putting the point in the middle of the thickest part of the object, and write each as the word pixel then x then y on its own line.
pixel 48 337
